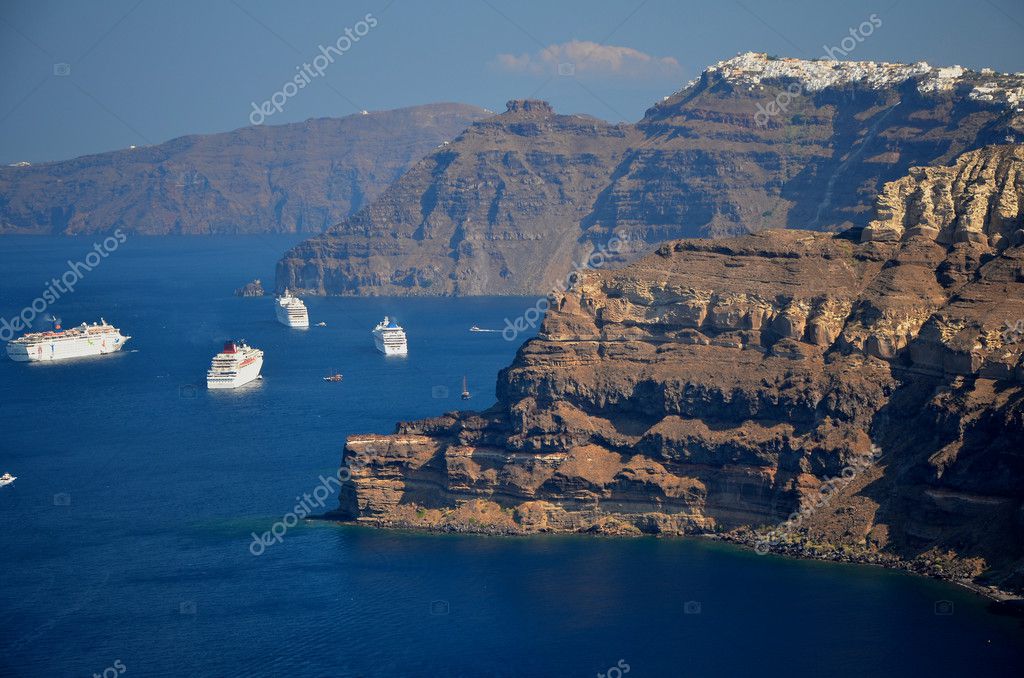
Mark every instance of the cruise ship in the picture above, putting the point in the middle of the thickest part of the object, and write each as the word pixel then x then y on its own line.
pixel 236 365
pixel 291 311
pixel 77 342
pixel 389 338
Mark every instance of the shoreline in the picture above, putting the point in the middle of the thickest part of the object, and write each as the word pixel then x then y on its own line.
pixel 1008 601
pixel 1011 600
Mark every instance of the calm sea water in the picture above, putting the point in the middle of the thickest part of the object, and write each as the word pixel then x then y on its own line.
pixel 125 540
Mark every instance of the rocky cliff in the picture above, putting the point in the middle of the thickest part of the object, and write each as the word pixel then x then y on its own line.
pixel 300 177
pixel 496 211
pixel 756 142
pixel 856 395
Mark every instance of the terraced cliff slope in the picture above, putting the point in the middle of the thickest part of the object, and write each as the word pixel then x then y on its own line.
pixel 301 177
pixel 756 142
pixel 856 395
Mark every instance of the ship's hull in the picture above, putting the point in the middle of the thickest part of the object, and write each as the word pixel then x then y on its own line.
pixel 242 376
pixel 45 351
pixel 293 319
pixel 390 347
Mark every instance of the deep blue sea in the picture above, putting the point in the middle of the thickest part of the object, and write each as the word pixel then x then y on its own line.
pixel 124 543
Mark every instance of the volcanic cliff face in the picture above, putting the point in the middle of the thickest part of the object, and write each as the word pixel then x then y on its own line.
pixel 762 142
pixel 756 142
pixel 300 177
pixel 496 211
pixel 833 394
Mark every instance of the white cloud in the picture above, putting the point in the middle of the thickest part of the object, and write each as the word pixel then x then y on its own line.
pixel 589 58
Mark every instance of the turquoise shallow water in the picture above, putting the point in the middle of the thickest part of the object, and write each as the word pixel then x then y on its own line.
pixel 126 536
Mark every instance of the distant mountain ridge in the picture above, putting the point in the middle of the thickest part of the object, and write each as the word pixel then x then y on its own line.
pixel 510 205
pixel 299 177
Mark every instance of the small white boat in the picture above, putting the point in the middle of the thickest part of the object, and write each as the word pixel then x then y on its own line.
pixel 321 324
pixel 465 390
pixel 7 479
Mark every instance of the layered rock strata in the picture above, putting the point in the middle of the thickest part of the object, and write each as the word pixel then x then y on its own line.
pixel 830 394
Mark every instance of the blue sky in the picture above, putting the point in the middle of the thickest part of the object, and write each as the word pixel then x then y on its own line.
pixel 144 72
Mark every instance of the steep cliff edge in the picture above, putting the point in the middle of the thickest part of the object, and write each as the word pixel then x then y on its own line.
pixel 839 395
pixel 756 142
pixel 295 178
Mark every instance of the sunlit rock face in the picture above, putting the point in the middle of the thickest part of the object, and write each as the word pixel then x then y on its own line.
pixel 978 198
pixel 719 385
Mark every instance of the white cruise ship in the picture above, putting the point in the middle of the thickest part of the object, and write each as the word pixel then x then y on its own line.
pixel 236 365
pixel 389 338
pixel 291 311
pixel 77 342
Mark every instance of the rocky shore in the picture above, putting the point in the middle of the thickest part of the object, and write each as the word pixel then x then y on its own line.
pixel 493 520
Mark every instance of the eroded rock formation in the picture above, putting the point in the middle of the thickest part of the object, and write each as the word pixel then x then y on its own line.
pixel 869 393
pixel 979 198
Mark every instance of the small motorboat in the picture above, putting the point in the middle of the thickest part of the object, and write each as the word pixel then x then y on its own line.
pixel 321 324
pixel 7 479
pixel 465 391
pixel 333 377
